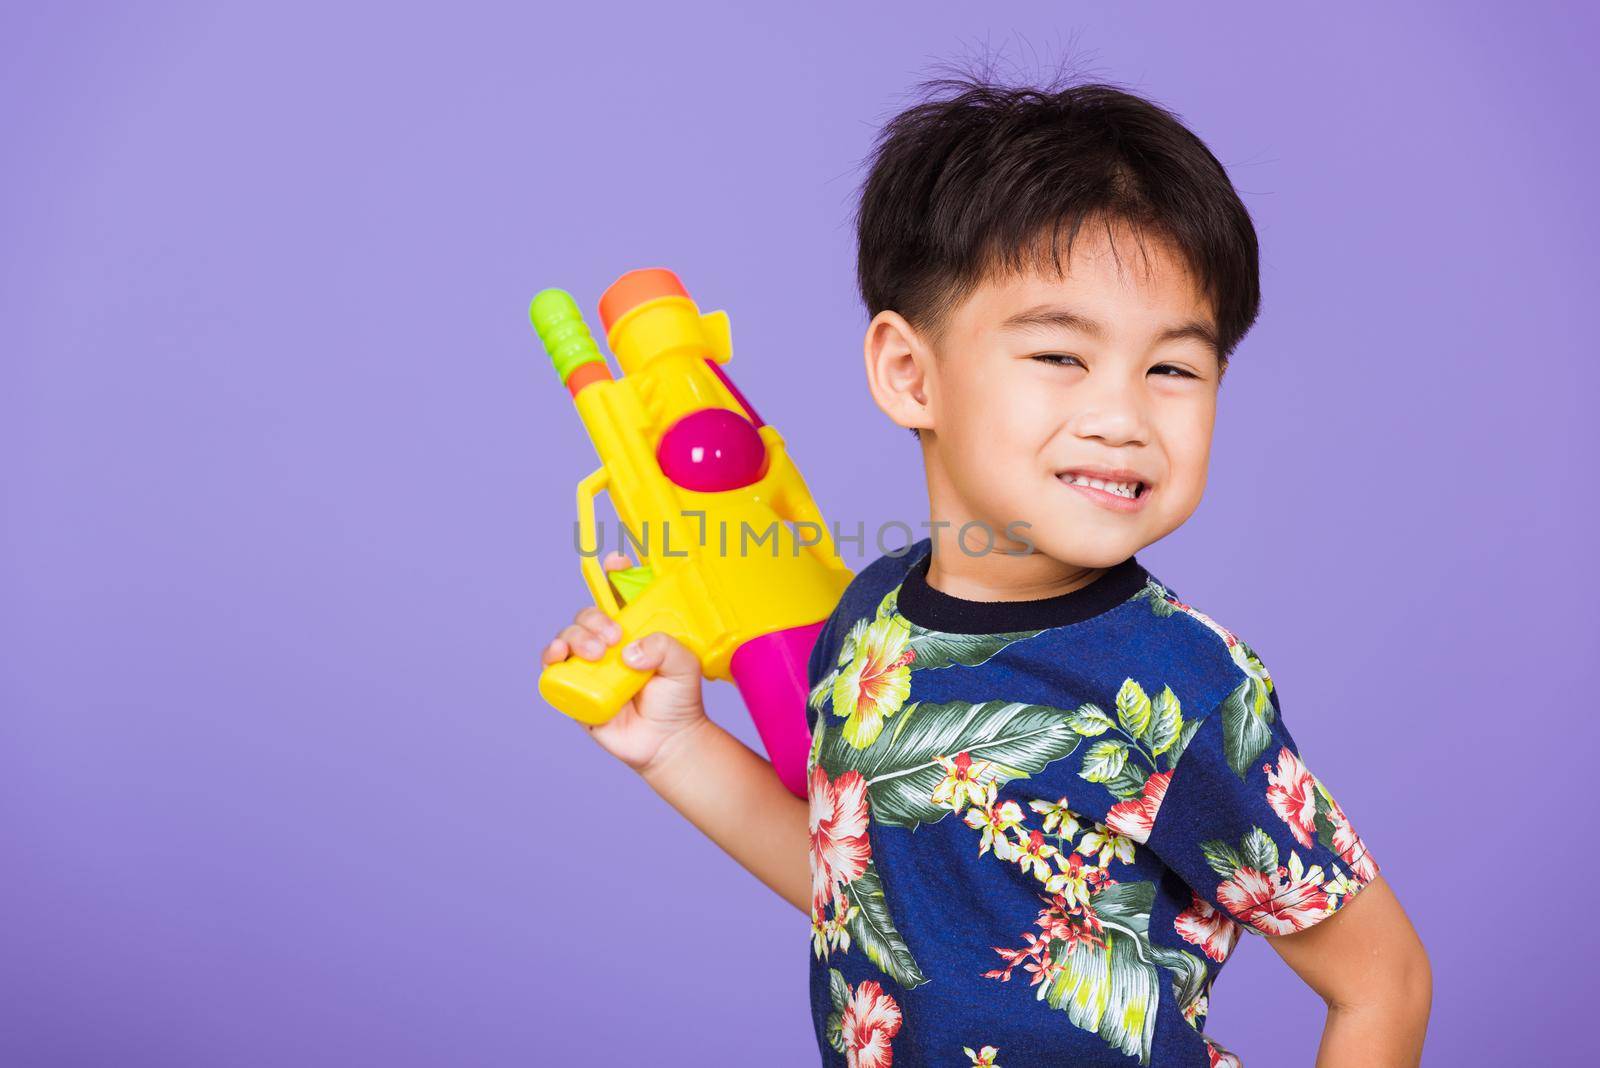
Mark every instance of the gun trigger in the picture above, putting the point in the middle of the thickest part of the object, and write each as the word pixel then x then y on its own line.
pixel 630 582
pixel 719 335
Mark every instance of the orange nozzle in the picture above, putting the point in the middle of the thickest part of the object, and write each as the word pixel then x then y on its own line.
pixel 585 373
pixel 634 289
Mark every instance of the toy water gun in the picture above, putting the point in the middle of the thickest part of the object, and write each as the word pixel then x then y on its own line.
pixel 735 559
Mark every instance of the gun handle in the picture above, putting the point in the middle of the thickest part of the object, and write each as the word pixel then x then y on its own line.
pixel 771 673
pixel 592 691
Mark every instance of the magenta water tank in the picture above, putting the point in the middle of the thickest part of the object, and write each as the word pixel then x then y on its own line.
pixel 712 449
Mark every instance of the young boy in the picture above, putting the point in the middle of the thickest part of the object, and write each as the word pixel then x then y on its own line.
pixel 1045 795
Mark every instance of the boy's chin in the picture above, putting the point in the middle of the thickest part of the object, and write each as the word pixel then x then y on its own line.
pixel 1088 551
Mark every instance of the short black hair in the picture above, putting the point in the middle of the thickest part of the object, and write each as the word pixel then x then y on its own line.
pixel 978 177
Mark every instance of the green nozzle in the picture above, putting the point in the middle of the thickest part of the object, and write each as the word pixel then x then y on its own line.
pixel 565 335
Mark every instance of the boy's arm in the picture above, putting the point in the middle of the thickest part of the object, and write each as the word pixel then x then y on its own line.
pixel 1368 965
pixel 735 797
pixel 715 780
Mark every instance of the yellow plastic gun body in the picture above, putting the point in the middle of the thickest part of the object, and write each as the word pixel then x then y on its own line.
pixel 735 559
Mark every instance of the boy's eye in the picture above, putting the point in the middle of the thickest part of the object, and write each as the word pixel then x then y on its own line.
pixel 1059 359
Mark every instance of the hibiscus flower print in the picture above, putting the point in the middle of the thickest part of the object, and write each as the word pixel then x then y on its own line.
pixel 984 1058
pixel 1221 1058
pixel 1270 897
pixel 1206 927
pixel 1351 849
pixel 876 681
pixel 1291 791
pixel 1297 797
pixel 1136 818
pixel 840 848
pixel 868 1024
pixel 1272 902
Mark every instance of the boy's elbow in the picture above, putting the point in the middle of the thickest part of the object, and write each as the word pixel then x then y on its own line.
pixel 1416 985
pixel 1403 985
pixel 1412 978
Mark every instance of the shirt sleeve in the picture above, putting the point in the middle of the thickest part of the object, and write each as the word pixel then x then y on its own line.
pixel 1253 833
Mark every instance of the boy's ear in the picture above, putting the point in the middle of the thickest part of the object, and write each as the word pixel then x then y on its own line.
pixel 898 370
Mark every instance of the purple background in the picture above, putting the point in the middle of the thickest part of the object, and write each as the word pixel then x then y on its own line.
pixel 287 498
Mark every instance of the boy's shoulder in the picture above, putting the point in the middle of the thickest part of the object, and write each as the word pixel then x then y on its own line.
pixel 861 600
pixel 1188 634
pixel 872 583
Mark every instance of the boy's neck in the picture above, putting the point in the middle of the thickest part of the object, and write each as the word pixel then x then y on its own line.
pixel 997 575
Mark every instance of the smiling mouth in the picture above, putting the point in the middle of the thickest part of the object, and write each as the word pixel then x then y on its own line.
pixel 1129 489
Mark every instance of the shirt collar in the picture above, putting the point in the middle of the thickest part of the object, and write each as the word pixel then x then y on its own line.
pixel 933 610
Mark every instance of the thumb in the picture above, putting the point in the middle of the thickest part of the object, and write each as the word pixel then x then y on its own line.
pixel 661 652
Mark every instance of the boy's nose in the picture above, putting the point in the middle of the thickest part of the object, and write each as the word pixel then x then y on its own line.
pixel 1114 416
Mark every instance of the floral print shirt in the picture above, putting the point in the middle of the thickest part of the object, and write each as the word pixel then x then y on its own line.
pixel 1038 827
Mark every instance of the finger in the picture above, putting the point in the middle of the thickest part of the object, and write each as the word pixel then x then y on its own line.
pixel 555 651
pixel 584 642
pixel 615 560
pixel 662 653
pixel 599 624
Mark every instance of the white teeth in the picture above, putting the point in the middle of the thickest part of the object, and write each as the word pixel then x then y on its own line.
pixel 1121 489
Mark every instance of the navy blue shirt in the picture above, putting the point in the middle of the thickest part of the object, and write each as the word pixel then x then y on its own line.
pixel 1038 827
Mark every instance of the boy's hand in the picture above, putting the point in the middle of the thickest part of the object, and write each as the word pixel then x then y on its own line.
pixel 665 710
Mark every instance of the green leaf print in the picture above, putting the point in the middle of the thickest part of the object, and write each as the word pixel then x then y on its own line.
pixel 936 649
pixel 1133 709
pixel 839 993
pixel 1189 975
pixel 1100 967
pixel 1245 735
pixel 835 1031
pixel 877 656
pixel 1260 851
pixel 1129 782
pixel 1090 720
pixel 874 930
pixel 1156 595
pixel 817 735
pixel 1017 740
pixel 1185 736
pixel 1166 721
pixel 1104 760
pixel 1129 903
pixel 1112 989
pixel 1146 729
pixel 905 717
pixel 819 692
pixel 1323 820
pixel 838 989
pixel 939 649
pixel 1222 857
pixel 1251 665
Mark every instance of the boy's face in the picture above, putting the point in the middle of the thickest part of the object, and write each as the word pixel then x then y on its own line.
pixel 1040 381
